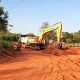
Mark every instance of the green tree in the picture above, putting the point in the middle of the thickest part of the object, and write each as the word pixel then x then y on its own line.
pixel 9 37
pixel 44 25
pixel 3 20
pixel 76 37
pixel 71 37
pixel 67 37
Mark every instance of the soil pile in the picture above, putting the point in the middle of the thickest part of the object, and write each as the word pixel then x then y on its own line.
pixel 65 51
pixel 6 54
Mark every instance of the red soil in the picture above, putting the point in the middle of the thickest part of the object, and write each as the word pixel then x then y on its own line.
pixel 65 51
pixel 42 65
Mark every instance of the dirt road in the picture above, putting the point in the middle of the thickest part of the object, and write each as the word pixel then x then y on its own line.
pixel 34 65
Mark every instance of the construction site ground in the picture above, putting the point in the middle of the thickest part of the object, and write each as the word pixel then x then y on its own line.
pixel 48 64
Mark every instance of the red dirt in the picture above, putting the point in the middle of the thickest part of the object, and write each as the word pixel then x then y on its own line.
pixel 42 65
pixel 65 51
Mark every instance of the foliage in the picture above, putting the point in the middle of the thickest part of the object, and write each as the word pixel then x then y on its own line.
pixel 76 37
pixel 71 37
pixel 67 37
pixel 3 20
pixel 44 25
pixel 9 37
pixel 5 44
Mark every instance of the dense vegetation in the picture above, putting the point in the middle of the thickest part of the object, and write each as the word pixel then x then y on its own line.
pixel 9 37
pixel 71 37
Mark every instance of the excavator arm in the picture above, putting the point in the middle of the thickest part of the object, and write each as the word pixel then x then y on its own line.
pixel 57 27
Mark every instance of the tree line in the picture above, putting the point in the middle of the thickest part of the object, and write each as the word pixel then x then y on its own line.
pixel 71 37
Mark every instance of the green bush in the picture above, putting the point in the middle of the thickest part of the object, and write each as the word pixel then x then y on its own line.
pixel 10 37
pixel 5 44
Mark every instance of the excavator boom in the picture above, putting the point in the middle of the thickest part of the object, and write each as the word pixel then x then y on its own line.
pixel 57 27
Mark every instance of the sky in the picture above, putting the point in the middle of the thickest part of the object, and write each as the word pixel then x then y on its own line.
pixel 27 16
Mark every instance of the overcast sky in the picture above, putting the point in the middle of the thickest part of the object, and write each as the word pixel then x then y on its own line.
pixel 28 15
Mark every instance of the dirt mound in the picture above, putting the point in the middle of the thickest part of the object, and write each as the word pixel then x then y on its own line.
pixel 7 52
pixel 65 51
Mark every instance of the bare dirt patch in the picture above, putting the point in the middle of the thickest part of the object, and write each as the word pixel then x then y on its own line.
pixel 42 65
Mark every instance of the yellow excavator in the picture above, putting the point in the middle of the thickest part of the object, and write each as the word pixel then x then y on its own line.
pixel 40 41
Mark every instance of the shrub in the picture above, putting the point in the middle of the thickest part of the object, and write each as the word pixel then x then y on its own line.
pixel 5 44
pixel 10 37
